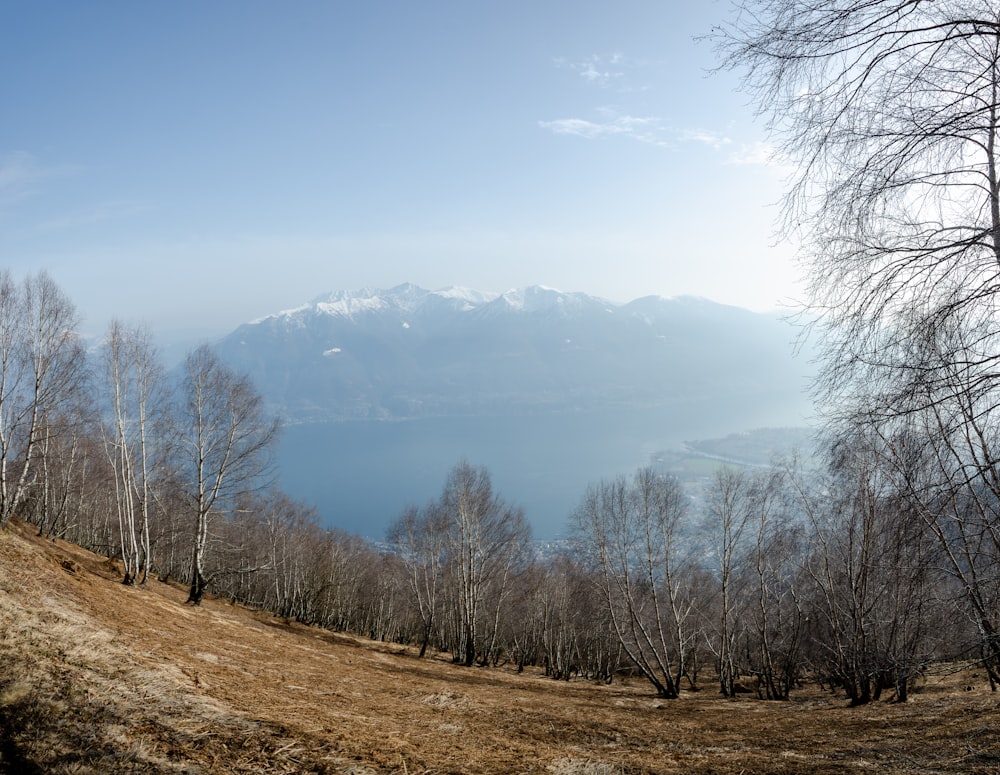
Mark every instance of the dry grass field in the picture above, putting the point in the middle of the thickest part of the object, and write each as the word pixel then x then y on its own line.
pixel 96 677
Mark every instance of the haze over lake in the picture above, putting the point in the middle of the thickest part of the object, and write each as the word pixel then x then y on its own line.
pixel 384 391
pixel 361 474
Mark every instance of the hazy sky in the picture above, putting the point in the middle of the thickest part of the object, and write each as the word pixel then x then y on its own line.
pixel 199 164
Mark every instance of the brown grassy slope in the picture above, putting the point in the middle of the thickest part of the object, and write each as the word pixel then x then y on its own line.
pixel 97 677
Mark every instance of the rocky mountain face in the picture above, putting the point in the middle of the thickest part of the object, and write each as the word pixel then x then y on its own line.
pixel 408 353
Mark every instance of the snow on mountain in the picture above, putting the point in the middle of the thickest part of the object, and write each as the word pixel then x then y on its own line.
pixel 403 299
pixel 470 298
pixel 409 352
pixel 538 299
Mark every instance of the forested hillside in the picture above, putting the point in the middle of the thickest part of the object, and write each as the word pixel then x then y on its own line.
pixel 97 677
pixel 773 576
pixel 166 606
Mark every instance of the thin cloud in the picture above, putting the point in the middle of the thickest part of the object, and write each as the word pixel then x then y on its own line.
pixel 613 70
pixel 640 128
pixel 762 154
pixel 759 153
pixel 651 130
pixel 598 69
pixel 713 140
pixel 21 177
pixel 576 126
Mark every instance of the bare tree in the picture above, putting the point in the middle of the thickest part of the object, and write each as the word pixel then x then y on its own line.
pixel 888 110
pixel 337 584
pixel 630 531
pixel 137 429
pixel 62 466
pixel 730 511
pixel 575 632
pixel 421 537
pixel 227 437
pixel 945 460
pixel 872 568
pixel 486 542
pixel 777 614
pixel 41 363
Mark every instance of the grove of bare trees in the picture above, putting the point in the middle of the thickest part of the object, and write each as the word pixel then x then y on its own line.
pixel 137 436
pixel 863 570
pixel 631 530
pixel 462 555
pixel 40 369
pixel 888 113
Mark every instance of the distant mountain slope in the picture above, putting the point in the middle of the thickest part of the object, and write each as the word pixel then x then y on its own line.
pixel 407 353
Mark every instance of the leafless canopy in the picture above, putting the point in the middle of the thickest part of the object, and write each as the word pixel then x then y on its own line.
pixel 887 111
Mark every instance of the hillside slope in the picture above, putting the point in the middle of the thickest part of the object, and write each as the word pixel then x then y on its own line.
pixel 98 678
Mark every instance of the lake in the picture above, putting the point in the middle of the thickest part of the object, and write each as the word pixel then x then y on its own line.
pixel 361 474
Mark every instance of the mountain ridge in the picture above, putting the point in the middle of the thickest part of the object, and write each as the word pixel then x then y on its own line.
pixel 550 390
pixel 406 352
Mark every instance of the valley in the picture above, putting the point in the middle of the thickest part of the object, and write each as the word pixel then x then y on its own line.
pixel 383 391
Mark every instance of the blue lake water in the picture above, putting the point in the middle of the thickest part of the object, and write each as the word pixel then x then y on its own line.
pixel 361 474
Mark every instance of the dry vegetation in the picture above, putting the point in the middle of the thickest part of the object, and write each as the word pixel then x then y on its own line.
pixel 99 677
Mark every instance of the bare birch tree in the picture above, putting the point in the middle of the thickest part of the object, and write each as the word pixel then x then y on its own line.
pixel 137 428
pixel 227 437
pixel 487 539
pixel 421 537
pixel 41 363
pixel 888 111
pixel 630 530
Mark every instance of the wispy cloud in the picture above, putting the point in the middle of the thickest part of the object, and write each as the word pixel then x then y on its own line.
pixel 763 154
pixel 652 130
pixel 22 176
pixel 614 72
pixel 645 129
pixel 604 70
pixel 713 140
pixel 759 153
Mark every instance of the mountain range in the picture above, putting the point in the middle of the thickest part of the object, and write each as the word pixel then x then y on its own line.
pixel 384 391
pixel 408 353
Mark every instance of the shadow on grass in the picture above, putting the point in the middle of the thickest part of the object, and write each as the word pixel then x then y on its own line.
pixel 16 726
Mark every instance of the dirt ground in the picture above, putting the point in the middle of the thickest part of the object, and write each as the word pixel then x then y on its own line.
pixel 98 677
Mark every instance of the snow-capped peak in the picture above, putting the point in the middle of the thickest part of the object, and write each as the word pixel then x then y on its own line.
pixel 470 296
pixel 403 299
pixel 533 297
pixel 412 301
pixel 541 298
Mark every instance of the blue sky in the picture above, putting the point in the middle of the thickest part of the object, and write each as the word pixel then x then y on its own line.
pixel 195 165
